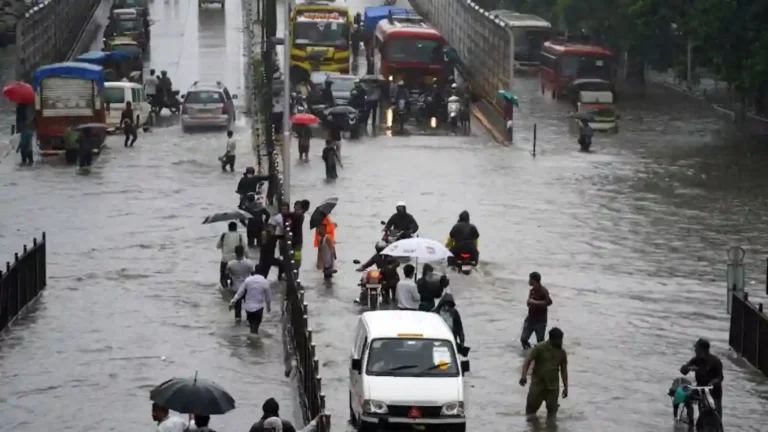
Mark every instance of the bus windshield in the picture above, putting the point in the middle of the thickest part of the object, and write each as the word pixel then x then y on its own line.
pixel 128 25
pixel 414 50
pixel 528 42
pixel 586 66
pixel 321 33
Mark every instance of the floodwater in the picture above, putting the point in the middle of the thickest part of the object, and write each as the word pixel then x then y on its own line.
pixel 132 294
pixel 630 240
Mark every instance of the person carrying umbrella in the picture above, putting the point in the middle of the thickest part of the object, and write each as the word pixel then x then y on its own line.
pixel 167 422
pixel 431 287
pixel 197 397
pixel 321 216
pixel 304 133
pixel 326 254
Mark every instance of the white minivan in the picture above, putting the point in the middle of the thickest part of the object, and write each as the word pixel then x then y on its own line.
pixel 116 94
pixel 405 373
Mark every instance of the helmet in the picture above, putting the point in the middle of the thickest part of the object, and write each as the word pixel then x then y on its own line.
pixel 380 245
pixel 454 86
pixel 400 204
pixel 401 82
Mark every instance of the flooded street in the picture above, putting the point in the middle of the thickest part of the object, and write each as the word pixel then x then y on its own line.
pixel 133 274
pixel 630 240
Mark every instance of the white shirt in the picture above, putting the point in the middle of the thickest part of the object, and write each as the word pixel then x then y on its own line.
pixel 150 85
pixel 227 243
pixel 172 424
pixel 256 292
pixel 231 146
pixel 407 294
pixel 277 222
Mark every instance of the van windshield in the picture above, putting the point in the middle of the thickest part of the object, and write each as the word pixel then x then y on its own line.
pixel 412 357
pixel 114 95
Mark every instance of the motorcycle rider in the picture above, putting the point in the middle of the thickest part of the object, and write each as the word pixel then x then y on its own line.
pixel 164 90
pixel 402 221
pixel 402 93
pixel 463 239
pixel 585 135
pixel 388 268
pixel 454 99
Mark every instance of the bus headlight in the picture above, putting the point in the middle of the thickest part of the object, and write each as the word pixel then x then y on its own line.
pixel 453 409
pixel 374 407
pixel 390 78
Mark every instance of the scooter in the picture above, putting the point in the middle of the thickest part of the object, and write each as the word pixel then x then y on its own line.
pixel 454 107
pixel 463 263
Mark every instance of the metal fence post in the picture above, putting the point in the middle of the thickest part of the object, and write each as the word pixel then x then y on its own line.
pixel 734 274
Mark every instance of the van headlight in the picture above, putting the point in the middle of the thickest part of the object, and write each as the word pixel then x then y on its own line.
pixel 453 409
pixel 374 407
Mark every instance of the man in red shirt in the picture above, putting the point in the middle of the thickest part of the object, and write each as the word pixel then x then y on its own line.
pixel 538 302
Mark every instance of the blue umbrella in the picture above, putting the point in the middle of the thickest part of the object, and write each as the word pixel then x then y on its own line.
pixel 508 95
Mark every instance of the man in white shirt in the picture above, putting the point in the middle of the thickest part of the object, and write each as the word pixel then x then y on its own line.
pixel 150 86
pixel 239 269
pixel 229 156
pixel 256 292
pixel 227 243
pixel 408 297
pixel 168 423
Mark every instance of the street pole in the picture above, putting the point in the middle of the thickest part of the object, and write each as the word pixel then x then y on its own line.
pixel 287 104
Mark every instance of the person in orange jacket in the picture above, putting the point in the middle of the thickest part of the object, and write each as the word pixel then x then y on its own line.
pixel 330 229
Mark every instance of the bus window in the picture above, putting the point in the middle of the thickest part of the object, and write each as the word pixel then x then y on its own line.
pixel 585 66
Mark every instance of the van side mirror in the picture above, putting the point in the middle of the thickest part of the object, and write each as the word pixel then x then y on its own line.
pixel 234 97
pixel 382 222
pixel 465 366
pixel 357 365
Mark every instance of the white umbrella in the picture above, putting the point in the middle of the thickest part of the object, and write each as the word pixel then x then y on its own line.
pixel 418 248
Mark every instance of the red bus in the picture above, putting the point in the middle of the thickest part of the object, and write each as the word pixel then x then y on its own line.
pixel 407 48
pixel 563 62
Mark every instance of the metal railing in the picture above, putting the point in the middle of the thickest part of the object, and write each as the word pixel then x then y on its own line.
pixel 484 43
pixel 47 32
pixel 22 281
pixel 748 335
pixel 297 332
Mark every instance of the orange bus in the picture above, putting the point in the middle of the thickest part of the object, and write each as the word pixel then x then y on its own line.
pixel 563 62
pixel 407 48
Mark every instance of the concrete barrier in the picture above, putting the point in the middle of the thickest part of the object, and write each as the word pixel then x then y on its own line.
pixel 484 43
pixel 48 32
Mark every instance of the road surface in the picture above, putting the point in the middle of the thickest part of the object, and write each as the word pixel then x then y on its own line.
pixel 133 274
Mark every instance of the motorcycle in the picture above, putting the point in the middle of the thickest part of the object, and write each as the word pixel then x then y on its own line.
pixel 370 289
pixel 172 104
pixel 709 420
pixel 393 235
pixel 454 107
pixel 463 263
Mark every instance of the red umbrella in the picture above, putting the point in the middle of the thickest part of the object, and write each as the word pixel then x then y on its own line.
pixel 19 92
pixel 304 119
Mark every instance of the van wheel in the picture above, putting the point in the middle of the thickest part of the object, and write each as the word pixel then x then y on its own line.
pixel 352 418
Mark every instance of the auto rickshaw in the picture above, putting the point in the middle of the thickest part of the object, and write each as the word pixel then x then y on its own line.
pixel 117 65
pixel 127 23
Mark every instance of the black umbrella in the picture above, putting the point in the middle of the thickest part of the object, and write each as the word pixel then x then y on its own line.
pixel 226 216
pixel 193 396
pixel 322 211
pixel 371 78
pixel 340 110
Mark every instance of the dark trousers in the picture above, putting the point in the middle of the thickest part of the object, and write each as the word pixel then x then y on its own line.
pixel 239 309
pixel 26 157
pixel 253 233
pixel 130 136
pixel 224 278
pixel 330 170
pixel 254 319
pixel 86 157
pixel 228 160
pixel 372 110
pixel 529 329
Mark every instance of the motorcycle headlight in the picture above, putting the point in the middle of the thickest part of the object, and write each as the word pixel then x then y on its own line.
pixel 374 407
pixel 453 409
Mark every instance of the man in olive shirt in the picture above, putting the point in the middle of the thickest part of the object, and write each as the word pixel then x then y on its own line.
pixel 549 359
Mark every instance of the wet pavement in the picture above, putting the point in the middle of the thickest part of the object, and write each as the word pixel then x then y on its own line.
pixel 132 294
pixel 630 240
